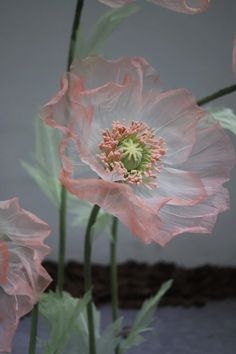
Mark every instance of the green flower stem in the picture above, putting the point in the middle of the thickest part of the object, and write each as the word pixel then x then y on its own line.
pixel 62 240
pixel 33 330
pixel 74 32
pixel 62 208
pixel 113 265
pixel 113 270
pixel 88 276
pixel 218 94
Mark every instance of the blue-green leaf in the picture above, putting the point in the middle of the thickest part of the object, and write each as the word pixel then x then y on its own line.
pixel 105 26
pixel 66 320
pixel 144 318
pixel 64 317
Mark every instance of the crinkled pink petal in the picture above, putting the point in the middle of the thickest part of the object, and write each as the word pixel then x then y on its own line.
pixel 8 320
pixel 212 158
pixel 115 4
pixel 191 7
pixel 199 218
pixel 181 187
pixel 234 56
pixel 119 200
pixel 58 112
pixel 185 6
pixel 95 72
pixel 94 77
pixel 173 115
pixel 23 234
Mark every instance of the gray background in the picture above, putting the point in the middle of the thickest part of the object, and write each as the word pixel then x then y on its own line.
pixel 188 51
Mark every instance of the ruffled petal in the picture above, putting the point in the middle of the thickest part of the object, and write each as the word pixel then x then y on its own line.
pixel 174 116
pixel 184 6
pixel 212 157
pixel 25 279
pixel 8 320
pixel 95 72
pixel 119 200
pixel 115 4
pixel 199 218
pixel 181 187
pixel 22 227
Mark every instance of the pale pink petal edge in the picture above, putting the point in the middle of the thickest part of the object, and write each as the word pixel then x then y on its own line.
pixel 183 6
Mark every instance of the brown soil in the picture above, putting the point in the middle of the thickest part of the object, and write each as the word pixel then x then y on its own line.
pixel 139 281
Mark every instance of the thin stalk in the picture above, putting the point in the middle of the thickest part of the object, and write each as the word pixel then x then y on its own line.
pixel 33 330
pixel 74 32
pixel 218 94
pixel 63 200
pixel 113 273
pixel 113 265
pixel 88 276
pixel 62 240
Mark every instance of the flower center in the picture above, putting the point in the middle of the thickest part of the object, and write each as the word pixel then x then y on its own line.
pixel 132 152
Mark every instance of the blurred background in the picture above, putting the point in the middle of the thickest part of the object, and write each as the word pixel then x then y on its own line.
pixel 194 52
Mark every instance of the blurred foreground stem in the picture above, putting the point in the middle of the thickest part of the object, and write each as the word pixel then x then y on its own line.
pixel 88 276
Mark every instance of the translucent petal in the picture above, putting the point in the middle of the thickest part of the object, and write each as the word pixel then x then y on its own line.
pixel 23 235
pixel 173 115
pixel 185 6
pixel 199 218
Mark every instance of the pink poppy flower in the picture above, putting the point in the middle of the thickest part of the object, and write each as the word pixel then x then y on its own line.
pixel 22 277
pixel 140 154
pixel 183 6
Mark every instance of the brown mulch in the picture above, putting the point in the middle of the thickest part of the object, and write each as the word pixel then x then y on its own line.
pixel 139 281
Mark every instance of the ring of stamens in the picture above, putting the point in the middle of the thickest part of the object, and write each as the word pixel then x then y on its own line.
pixel 133 152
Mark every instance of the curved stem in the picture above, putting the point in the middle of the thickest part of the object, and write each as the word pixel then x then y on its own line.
pixel 62 208
pixel 33 331
pixel 218 94
pixel 88 276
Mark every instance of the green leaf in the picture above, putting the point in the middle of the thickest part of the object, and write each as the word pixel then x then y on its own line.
pixel 110 338
pixel 224 116
pixel 105 26
pixel 46 170
pixel 66 320
pixel 49 186
pixel 144 318
pixel 64 316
